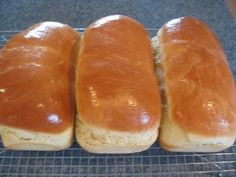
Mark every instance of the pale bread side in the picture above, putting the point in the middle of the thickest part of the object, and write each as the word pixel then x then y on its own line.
pixel 174 138
pixel 98 140
pixel 19 139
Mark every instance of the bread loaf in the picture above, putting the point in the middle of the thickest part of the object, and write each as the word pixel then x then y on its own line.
pixel 117 93
pixel 36 81
pixel 198 91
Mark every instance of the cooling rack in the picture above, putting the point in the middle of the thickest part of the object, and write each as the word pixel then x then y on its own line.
pixel 74 161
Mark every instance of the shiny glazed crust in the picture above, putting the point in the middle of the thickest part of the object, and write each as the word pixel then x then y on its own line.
pixel 116 88
pixel 197 88
pixel 36 81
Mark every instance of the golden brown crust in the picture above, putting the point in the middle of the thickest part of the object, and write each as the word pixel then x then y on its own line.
pixel 199 84
pixel 116 84
pixel 36 78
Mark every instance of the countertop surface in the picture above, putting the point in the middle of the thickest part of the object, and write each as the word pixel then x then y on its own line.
pixel 16 15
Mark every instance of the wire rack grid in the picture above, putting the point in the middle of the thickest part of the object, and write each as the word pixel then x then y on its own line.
pixel 74 161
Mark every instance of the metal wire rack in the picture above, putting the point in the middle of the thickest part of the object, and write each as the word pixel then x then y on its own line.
pixel 75 161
